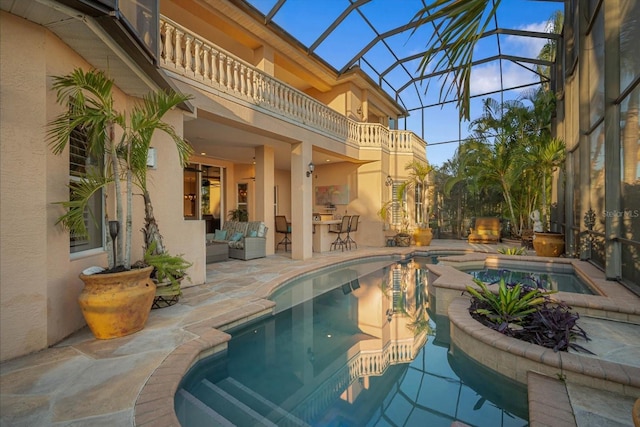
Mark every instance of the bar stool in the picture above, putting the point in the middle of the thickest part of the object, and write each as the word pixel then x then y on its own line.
pixel 353 227
pixel 282 226
pixel 344 228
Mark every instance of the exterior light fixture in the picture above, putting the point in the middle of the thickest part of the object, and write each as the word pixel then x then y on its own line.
pixel 389 181
pixel 311 169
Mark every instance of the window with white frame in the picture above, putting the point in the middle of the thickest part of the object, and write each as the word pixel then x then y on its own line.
pixel 397 208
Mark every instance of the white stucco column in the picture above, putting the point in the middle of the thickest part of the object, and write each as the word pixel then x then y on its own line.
pixel 265 170
pixel 301 202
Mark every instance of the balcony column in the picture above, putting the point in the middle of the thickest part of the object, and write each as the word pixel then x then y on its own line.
pixel 265 167
pixel 301 202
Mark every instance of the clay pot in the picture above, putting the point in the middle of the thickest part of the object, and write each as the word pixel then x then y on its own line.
pixel 548 244
pixel 423 236
pixel 117 304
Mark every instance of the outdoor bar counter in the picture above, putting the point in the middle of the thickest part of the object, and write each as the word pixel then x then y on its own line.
pixel 322 239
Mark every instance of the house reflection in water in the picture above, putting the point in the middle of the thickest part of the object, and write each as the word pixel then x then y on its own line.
pixel 344 331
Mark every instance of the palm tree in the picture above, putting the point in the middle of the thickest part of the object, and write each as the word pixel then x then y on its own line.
pixel 545 156
pixel 419 172
pixel 550 48
pixel 91 109
pixel 494 154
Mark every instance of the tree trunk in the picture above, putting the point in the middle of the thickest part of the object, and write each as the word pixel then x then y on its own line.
pixel 151 230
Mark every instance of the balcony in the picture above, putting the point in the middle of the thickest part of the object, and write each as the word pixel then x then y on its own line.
pixel 190 57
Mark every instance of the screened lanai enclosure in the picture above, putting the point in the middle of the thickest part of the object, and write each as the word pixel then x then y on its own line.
pixel 484 82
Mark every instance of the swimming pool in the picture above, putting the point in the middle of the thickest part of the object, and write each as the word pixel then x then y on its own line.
pixel 565 282
pixel 360 351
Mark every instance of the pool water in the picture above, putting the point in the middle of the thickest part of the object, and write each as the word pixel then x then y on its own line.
pixel 565 282
pixel 362 352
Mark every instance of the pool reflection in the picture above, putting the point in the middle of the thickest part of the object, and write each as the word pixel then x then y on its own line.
pixel 346 354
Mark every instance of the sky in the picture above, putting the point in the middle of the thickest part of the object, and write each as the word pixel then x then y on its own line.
pixel 356 34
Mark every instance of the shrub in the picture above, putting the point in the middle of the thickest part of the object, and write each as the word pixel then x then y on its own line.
pixel 513 250
pixel 526 313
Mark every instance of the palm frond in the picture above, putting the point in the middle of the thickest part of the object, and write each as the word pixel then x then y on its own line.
pixel 458 25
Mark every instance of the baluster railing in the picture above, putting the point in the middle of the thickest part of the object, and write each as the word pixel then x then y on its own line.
pixel 194 57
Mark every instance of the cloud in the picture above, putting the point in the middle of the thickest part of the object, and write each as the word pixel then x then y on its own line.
pixel 486 78
pixel 527 46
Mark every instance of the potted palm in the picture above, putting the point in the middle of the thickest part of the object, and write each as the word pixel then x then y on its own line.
pixel 548 155
pixel 419 180
pixel 116 301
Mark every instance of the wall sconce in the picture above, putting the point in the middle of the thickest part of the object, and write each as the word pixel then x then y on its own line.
pixel 359 111
pixel 389 181
pixel 311 167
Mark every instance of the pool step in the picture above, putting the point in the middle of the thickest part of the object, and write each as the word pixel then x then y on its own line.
pixel 241 406
pixel 193 412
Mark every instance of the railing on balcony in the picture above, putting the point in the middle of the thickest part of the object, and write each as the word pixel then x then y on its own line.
pixel 191 56
pixel 365 363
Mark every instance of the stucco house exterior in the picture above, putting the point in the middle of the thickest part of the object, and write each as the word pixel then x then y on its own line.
pixel 262 111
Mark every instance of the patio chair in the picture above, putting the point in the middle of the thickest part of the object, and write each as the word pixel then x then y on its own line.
pixel 282 226
pixel 353 227
pixel 344 228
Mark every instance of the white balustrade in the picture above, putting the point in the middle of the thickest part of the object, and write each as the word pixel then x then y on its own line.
pixel 189 55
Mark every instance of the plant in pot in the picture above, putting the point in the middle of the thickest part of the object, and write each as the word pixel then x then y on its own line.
pixel 419 174
pixel 168 273
pixel 546 156
pixel 403 236
pixel 115 301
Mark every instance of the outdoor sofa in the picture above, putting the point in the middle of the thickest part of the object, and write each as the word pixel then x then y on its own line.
pixel 238 240
pixel 486 230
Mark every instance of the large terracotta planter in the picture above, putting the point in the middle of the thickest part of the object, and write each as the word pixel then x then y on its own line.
pixel 117 304
pixel 548 244
pixel 423 236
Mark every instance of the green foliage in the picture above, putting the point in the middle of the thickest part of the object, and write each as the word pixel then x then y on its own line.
pixel 510 305
pixel 238 215
pixel 166 266
pixel 519 250
pixel 89 107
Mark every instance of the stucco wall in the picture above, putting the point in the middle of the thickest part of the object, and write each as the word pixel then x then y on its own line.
pixel 39 282
pixel 23 169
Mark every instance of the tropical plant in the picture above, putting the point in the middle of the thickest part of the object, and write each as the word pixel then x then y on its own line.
pixel 458 26
pixel 166 267
pixel 545 156
pixel 527 313
pixel 419 173
pixel 550 48
pixel 238 215
pixel 514 250
pixel 510 305
pixel 89 97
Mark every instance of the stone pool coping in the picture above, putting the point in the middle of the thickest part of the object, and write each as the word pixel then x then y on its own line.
pixel 515 358
pixel 614 301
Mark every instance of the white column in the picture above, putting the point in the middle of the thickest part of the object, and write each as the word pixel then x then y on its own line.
pixel 301 202
pixel 265 170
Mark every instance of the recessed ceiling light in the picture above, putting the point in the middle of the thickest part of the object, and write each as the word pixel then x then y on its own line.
pixel 328 160
pixel 203 154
